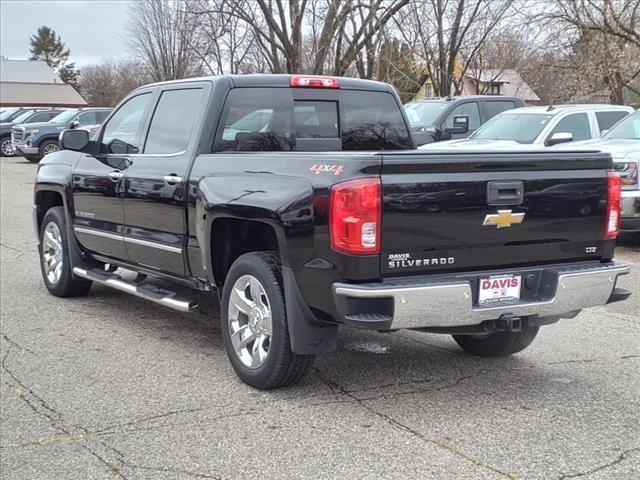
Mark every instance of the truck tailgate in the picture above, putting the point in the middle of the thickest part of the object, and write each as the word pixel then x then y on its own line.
pixel 462 211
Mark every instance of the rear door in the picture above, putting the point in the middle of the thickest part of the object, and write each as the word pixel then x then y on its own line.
pixel 98 179
pixel 155 196
pixel 608 118
pixel 494 107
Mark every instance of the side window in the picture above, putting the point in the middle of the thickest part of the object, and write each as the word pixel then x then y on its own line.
pixel 577 124
pixel 469 109
pixel 40 117
pixel 172 122
pixel 120 132
pixel 606 120
pixel 256 119
pixel 87 118
pixel 495 107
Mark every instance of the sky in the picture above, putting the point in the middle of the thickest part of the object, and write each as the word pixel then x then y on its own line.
pixel 91 29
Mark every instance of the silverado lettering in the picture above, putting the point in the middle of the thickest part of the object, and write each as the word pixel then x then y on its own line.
pixel 238 185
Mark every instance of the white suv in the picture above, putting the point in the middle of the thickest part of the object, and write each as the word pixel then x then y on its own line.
pixel 539 127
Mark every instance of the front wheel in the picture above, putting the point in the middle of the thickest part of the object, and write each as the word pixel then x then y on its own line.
pixel 5 147
pixel 54 257
pixel 499 344
pixel 49 146
pixel 254 324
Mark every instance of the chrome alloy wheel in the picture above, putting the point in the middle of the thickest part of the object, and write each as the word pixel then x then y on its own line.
pixel 7 149
pixel 250 321
pixel 52 253
pixel 52 147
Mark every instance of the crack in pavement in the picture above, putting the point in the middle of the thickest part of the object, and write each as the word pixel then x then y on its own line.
pixel 56 420
pixel 22 252
pixel 619 459
pixel 17 345
pixel 401 426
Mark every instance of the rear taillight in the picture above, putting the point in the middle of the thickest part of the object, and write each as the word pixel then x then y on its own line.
pixel 314 81
pixel 614 205
pixel 355 216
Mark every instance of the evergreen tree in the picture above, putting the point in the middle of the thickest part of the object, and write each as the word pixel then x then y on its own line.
pixel 397 67
pixel 49 47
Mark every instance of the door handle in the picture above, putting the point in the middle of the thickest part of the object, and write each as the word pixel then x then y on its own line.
pixel 116 175
pixel 505 193
pixel 173 179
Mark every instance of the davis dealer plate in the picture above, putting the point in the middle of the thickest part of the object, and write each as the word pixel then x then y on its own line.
pixel 498 289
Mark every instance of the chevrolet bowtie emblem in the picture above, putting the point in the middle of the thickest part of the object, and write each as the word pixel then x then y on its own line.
pixel 503 219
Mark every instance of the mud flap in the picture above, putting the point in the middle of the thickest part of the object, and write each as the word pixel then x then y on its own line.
pixel 307 336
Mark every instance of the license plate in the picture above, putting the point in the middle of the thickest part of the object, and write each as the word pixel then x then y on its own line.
pixel 498 289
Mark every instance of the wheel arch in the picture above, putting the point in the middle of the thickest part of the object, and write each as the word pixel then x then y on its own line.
pixel 232 237
pixel 44 138
pixel 236 214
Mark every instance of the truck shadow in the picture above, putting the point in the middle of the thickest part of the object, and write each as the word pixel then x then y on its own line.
pixel 366 366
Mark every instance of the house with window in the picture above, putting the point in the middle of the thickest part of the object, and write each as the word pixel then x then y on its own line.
pixel 507 82
pixel 36 84
pixel 493 81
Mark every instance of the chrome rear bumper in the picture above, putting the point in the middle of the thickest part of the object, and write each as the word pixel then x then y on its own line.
pixel 441 301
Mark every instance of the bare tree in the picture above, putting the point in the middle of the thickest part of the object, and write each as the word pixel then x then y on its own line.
pixel 164 36
pixel 448 35
pixel 613 18
pixel 341 30
pixel 105 84
pixel 602 39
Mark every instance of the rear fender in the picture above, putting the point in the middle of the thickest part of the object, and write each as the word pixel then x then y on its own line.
pixel 286 204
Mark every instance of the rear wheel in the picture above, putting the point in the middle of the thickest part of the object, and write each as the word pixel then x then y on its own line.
pixel 5 147
pixel 54 257
pixel 254 324
pixel 497 344
pixel 48 146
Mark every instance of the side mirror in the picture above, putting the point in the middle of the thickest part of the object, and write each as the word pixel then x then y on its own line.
pixel 559 137
pixel 74 124
pixel 460 125
pixel 75 140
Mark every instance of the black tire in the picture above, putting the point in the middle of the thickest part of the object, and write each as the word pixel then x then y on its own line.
pixel 47 144
pixel 281 367
pixel 5 147
pixel 32 158
pixel 499 344
pixel 66 285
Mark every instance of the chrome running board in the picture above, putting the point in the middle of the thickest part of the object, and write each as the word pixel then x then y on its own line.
pixel 149 292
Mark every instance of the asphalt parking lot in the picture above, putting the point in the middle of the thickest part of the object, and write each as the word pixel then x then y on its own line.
pixel 110 386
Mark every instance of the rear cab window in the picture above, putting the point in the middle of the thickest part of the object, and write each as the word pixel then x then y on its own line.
pixel 277 119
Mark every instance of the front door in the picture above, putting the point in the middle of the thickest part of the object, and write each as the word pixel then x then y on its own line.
pixel 98 180
pixel 155 182
pixel 467 109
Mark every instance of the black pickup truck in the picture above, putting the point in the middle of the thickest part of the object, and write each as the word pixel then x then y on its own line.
pixel 303 204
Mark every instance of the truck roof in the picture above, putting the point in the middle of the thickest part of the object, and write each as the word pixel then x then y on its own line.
pixel 553 109
pixel 454 98
pixel 281 80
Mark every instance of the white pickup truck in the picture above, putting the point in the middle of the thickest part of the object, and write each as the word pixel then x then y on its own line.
pixel 622 141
